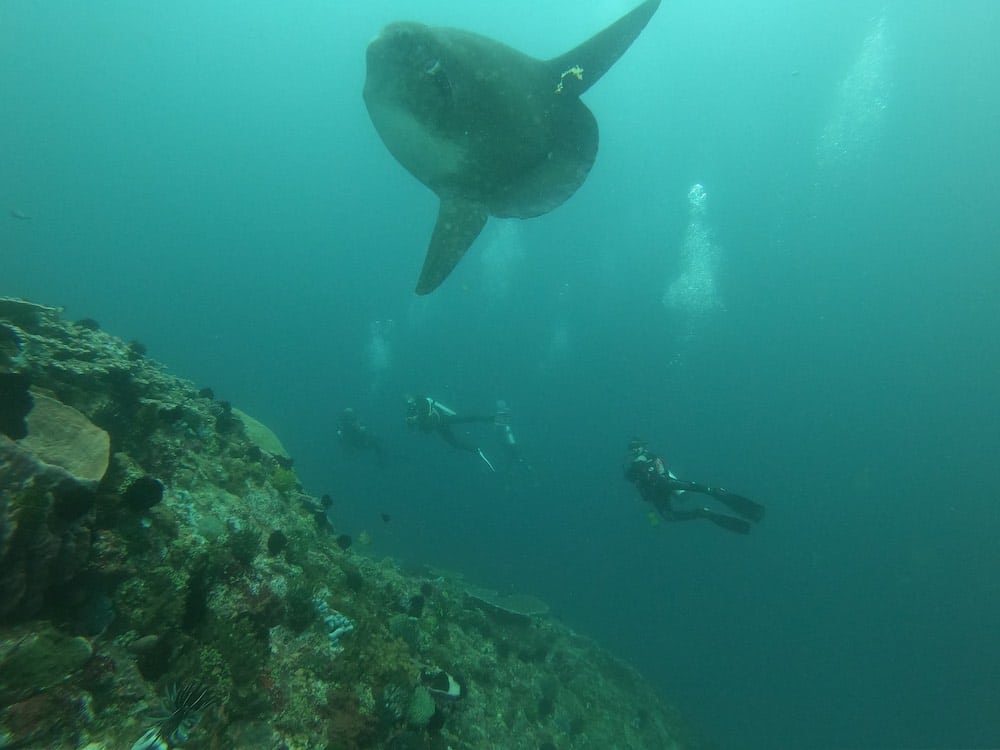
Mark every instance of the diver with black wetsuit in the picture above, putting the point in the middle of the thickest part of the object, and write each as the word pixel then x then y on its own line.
pixel 658 485
pixel 430 415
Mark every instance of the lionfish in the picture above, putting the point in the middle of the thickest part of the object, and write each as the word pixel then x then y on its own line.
pixel 179 712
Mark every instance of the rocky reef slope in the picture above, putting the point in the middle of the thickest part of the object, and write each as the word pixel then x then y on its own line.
pixel 165 582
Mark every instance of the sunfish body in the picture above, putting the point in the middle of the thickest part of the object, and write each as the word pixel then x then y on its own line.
pixel 490 130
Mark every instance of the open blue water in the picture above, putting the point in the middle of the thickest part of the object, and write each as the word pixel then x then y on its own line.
pixel 816 327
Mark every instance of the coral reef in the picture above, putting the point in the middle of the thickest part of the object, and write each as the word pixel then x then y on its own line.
pixel 177 588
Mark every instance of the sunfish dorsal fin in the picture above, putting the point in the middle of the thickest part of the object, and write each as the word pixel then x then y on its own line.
pixel 583 66
pixel 459 222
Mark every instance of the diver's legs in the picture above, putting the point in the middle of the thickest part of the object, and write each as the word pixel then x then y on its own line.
pixel 729 523
pixel 458 419
pixel 451 439
pixel 454 441
pixel 740 505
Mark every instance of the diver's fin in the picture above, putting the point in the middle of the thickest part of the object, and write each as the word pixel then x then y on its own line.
pixel 744 506
pixel 583 66
pixel 729 523
pixel 459 222
pixel 486 460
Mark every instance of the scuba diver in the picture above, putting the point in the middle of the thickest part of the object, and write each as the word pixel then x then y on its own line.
pixel 658 485
pixel 430 415
pixel 355 435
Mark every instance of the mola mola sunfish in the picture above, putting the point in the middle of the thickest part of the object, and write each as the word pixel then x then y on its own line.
pixel 489 129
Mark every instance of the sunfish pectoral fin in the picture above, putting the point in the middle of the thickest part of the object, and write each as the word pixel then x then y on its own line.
pixel 459 222
pixel 582 67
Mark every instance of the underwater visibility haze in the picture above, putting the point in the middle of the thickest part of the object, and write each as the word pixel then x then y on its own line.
pixel 782 271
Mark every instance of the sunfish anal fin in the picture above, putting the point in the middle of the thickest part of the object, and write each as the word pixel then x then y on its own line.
pixel 459 222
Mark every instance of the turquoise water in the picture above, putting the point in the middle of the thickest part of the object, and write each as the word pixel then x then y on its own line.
pixel 814 327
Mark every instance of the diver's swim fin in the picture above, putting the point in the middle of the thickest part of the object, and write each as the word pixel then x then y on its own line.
pixel 729 523
pixel 744 506
pixel 486 460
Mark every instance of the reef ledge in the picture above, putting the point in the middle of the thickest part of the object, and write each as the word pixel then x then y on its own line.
pixel 166 582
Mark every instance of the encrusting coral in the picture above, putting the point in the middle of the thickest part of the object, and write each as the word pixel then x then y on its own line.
pixel 189 594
